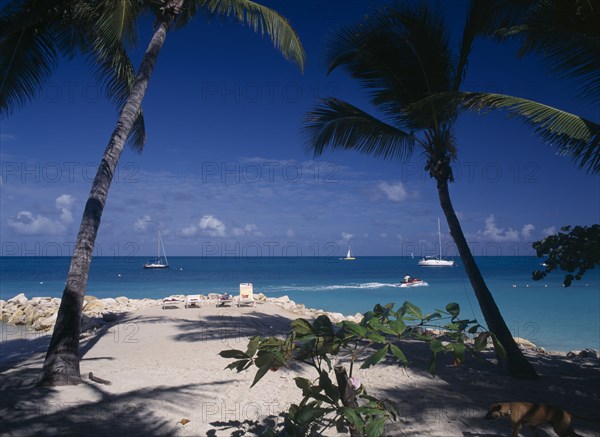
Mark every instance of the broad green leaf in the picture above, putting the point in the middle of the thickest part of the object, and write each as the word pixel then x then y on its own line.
pixel 253 345
pixel 459 352
pixel 375 358
pixel 381 327
pixel 412 310
pixel 436 346
pixel 234 353
pixel 398 326
pixel 330 390
pixel 473 329
pixel 374 336
pixel 500 351
pixel 302 327
pixel 375 428
pixel 428 317
pixel 354 328
pixel 398 353
pixel 302 383
pixel 481 341
pixel 322 325
pixel 454 309
pixel 238 365
pixel 353 418
pixel 432 363
pixel 260 373
pixel 309 414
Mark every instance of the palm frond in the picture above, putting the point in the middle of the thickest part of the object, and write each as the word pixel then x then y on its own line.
pixel 28 51
pixel 26 69
pixel 572 135
pixel 400 55
pixel 336 124
pixel 566 34
pixel 116 20
pixel 262 20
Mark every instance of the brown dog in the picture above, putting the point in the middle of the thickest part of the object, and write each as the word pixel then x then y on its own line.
pixel 525 413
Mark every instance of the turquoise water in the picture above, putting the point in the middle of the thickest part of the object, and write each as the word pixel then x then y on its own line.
pixel 544 312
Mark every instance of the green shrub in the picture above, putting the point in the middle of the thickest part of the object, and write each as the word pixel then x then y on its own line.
pixel 336 398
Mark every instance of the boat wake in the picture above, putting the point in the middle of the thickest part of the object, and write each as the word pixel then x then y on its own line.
pixel 364 286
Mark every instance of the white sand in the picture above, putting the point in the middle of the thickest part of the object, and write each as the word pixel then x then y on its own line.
pixel 164 367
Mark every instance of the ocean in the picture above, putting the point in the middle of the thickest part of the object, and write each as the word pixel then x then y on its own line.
pixel 544 312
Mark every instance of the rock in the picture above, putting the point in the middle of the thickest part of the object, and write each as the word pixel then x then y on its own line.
pixel 109 301
pixel 586 353
pixel 89 298
pixel 336 317
pixel 19 299
pixel 122 300
pixel 17 317
pixel 282 299
pixel 94 306
pixel 525 344
pixel 45 323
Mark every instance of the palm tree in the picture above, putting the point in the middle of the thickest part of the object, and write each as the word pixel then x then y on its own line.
pixel 401 55
pixel 108 31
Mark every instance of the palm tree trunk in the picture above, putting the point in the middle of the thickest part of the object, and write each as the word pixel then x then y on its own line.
pixel 61 366
pixel 516 364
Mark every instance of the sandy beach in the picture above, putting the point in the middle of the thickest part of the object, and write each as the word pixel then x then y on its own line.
pixel 164 367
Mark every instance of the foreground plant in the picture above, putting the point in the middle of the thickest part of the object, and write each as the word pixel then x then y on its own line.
pixel 337 398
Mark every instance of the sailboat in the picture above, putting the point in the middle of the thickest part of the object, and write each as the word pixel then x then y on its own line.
pixel 431 261
pixel 158 262
pixel 349 256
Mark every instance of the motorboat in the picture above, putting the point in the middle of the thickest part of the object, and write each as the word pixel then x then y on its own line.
pixel 409 281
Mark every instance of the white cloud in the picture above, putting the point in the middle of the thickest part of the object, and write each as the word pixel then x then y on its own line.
pixel 290 233
pixel 237 232
pixel 395 192
pixel 249 229
pixel 64 202
pixel 346 237
pixel 212 226
pixel 549 231
pixel 190 231
pixel 27 224
pixel 526 231
pixel 141 224
pixel 493 233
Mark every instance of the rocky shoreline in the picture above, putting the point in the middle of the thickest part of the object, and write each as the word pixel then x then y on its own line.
pixel 39 314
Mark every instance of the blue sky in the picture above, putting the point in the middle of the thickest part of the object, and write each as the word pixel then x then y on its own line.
pixel 225 172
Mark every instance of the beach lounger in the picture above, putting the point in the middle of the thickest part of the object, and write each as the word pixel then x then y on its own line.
pixel 225 300
pixel 246 295
pixel 193 300
pixel 172 301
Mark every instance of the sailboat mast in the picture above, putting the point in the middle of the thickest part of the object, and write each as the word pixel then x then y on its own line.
pixel 440 237
pixel 158 246
pixel 163 251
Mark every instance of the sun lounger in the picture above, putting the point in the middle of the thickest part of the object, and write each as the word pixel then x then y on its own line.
pixel 193 300
pixel 224 300
pixel 246 295
pixel 172 301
